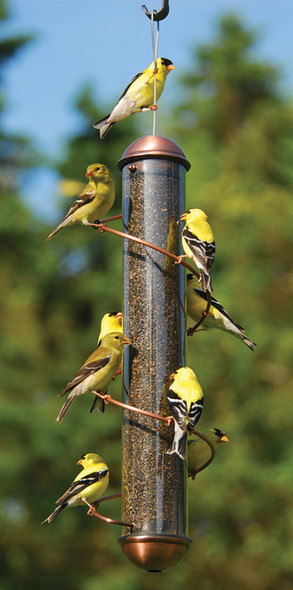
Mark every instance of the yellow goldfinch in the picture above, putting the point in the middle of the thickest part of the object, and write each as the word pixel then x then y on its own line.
pixel 198 243
pixel 199 452
pixel 217 316
pixel 94 201
pixel 138 96
pixel 185 398
pixel 88 486
pixel 97 371
pixel 111 322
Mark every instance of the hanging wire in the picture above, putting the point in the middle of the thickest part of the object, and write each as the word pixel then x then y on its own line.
pixel 156 16
pixel 155 55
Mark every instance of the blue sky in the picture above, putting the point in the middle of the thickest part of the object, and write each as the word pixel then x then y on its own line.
pixel 106 42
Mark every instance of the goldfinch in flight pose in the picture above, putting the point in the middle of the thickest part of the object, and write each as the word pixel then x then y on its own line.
pixel 111 322
pixel 97 371
pixel 95 200
pixel 185 398
pixel 138 96
pixel 198 451
pixel 198 243
pixel 217 316
pixel 88 486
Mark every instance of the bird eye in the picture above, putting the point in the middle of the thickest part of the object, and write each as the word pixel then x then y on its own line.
pixel 218 432
pixel 97 169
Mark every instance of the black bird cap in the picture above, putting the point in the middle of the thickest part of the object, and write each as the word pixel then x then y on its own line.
pixel 111 313
pixel 189 276
pixel 166 62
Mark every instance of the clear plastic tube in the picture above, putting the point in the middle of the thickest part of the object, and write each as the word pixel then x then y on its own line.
pixel 153 481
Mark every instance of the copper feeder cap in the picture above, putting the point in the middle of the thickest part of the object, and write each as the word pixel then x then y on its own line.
pixel 154 553
pixel 153 146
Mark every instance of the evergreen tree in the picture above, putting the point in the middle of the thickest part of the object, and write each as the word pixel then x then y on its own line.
pixel 239 139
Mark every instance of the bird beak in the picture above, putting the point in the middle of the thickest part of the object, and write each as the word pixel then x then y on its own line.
pixel 79 462
pixel 171 67
pixel 172 377
pixel 125 340
pixel 89 173
pixel 183 217
pixel 118 316
pixel 224 438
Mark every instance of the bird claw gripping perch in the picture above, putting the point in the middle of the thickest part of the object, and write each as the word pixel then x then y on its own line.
pixel 92 512
pixel 180 258
pixel 103 396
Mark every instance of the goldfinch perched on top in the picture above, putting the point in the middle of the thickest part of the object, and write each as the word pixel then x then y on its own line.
pixel 217 316
pixel 198 243
pixel 138 96
pixel 97 371
pixel 185 398
pixel 88 486
pixel 94 201
pixel 199 452
pixel 111 322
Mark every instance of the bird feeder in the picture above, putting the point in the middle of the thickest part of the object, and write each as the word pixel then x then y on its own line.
pixel 153 481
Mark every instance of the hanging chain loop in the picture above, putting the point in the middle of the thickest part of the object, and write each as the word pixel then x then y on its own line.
pixel 161 14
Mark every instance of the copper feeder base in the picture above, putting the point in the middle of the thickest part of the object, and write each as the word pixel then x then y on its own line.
pixel 154 553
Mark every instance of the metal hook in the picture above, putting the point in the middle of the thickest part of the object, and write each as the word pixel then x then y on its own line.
pixel 158 15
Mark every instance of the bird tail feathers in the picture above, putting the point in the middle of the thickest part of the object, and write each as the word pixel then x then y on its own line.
pixel 67 220
pixel 248 342
pixel 50 236
pixel 206 282
pixel 103 126
pixel 98 404
pixel 56 511
pixel 65 407
pixel 178 445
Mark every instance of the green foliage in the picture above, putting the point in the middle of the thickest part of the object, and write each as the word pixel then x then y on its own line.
pixel 237 131
pixel 226 82
pixel 241 177
pixel 10 46
pixel 16 152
